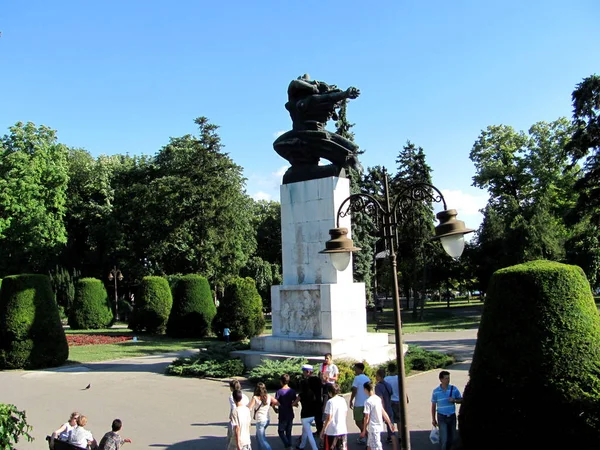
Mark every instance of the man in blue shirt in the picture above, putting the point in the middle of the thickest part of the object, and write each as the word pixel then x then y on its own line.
pixel 443 401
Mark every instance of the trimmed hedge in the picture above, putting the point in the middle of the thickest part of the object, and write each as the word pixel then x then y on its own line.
pixel 153 306
pixel 536 362
pixel 193 307
pixel 91 307
pixel 31 334
pixel 240 310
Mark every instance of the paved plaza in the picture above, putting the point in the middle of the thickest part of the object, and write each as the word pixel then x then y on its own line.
pixel 175 413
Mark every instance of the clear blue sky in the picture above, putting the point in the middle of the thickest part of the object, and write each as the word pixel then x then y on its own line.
pixel 124 76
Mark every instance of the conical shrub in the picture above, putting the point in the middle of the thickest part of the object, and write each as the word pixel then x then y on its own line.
pixel 535 376
pixel 31 334
pixel 153 306
pixel 193 307
pixel 240 310
pixel 91 308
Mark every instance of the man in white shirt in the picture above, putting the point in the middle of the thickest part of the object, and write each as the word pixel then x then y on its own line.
pixel 358 398
pixel 375 416
pixel 335 429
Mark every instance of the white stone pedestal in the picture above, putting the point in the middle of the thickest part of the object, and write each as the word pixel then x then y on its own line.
pixel 318 309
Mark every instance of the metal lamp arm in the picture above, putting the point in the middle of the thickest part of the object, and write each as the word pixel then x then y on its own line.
pixel 418 192
pixel 357 206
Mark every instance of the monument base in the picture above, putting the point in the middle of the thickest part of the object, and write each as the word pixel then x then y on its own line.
pixel 371 347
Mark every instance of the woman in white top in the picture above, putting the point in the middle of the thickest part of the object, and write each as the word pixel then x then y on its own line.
pixel 259 406
pixel 62 434
pixel 80 437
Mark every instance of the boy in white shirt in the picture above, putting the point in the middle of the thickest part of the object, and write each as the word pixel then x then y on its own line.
pixel 240 423
pixel 375 416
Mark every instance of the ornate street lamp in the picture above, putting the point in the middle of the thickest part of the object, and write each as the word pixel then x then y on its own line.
pixel 115 274
pixel 450 232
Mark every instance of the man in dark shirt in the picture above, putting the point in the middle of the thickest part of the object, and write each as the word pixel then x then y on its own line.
pixel 112 440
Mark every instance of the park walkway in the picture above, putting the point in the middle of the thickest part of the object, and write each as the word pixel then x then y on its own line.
pixel 172 413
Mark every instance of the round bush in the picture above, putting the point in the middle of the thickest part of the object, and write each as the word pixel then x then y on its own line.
pixel 536 362
pixel 153 305
pixel 91 307
pixel 193 307
pixel 31 334
pixel 240 310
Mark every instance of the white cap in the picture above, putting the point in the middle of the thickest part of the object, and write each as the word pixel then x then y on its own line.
pixel 307 367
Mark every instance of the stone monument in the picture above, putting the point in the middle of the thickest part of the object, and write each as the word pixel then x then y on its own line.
pixel 317 309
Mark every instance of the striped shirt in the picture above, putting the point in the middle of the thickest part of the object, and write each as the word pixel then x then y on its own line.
pixel 440 398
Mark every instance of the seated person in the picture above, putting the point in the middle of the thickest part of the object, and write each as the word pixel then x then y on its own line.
pixel 80 437
pixel 62 434
pixel 112 440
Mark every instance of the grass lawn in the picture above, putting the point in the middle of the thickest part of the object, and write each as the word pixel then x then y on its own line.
pixel 436 317
pixel 145 345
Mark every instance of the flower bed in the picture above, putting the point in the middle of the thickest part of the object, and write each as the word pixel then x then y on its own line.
pixel 95 339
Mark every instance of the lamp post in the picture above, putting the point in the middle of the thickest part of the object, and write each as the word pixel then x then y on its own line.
pixel 115 274
pixel 449 231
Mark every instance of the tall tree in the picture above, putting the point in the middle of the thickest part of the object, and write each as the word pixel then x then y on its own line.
pixel 197 214
pixel 531 191
pixel 416 222
pixel 585 142
pixel 33 184
pixel 362 223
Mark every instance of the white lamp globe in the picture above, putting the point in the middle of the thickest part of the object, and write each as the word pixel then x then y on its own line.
pixel 340 260
pixel 454 244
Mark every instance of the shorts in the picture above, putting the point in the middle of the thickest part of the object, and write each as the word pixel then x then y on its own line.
pixel 337 442
pixel 395 412
pixel 374 440
pixel 359 413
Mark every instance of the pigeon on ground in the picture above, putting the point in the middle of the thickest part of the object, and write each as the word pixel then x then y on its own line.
pixel 87 387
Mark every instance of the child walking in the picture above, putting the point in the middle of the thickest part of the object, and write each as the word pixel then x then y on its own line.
pixel 240 424
pixel 374 419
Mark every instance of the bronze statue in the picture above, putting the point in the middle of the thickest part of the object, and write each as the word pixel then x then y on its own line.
pixel 311 104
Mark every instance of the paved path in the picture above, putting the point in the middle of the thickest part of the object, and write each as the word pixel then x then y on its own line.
pixel 178 413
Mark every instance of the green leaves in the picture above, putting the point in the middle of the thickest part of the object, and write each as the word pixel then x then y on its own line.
pixel 13 426
pixel 33 183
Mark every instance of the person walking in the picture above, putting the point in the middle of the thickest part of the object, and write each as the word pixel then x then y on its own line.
pixel 260 405
pixel 335 430
pixel 384 391
pixel 443 409
pixel 375 416
pixel 358 398
pixel 286 396
pixel 240 424
pixel 311 407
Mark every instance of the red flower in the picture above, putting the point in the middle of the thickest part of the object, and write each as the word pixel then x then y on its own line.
pixel 95 339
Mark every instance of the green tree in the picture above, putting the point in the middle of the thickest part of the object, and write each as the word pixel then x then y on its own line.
pixel 362 222
pixel 33 184
pixel 416 223
pixel 267 223
pixel 531 191
pixel 585 142
pixel 194 214
pixel 31 334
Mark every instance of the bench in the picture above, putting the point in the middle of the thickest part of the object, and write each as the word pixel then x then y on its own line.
pixel 385 325
pixel 61 445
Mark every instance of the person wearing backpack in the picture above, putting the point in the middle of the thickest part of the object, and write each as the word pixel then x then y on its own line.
pixel 443 409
